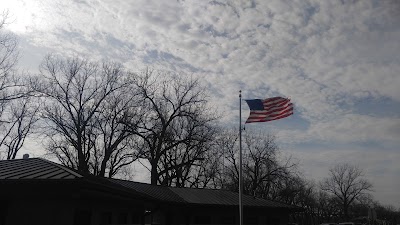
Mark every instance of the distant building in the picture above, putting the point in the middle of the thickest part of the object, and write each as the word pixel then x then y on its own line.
pixel 38 191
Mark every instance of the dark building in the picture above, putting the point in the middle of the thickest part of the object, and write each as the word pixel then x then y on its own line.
pixel 38 191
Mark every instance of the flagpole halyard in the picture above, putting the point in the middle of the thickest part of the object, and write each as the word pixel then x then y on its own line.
pixel 240 161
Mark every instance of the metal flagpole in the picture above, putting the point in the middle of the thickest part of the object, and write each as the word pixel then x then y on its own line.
pixel 240 161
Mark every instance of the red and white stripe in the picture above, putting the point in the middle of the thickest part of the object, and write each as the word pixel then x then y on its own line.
pixel 274 108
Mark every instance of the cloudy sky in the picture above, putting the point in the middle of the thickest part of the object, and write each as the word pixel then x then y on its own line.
pixel 338 60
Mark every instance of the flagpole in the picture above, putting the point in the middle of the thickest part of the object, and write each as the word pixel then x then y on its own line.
pixel 281 108
pixel 240 161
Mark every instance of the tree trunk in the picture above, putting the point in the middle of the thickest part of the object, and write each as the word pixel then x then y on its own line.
pixel 154 173
pixel 103 166
pixel 82 166
pixel 346 211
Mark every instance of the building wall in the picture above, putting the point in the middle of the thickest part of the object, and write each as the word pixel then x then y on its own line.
pixel 40 211
pixel 111 212
pixel 176 215
pixel 72 210
pixel 73 205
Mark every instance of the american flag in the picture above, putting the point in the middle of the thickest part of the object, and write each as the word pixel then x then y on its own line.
pixel 263 110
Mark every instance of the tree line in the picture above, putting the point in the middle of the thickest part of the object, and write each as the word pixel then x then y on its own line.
pixel 98 118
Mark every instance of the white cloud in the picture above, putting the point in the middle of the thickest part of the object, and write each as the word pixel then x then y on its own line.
pixel 326 55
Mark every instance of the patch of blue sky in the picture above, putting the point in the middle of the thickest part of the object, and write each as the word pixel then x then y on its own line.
pixel 382 107
pixel 215 33
pixel 116 43
pixel 154 56
pixel 362 146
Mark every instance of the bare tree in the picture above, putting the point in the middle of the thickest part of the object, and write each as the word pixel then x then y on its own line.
pixel 11 85
pixel 114 151
pixel 85 105
pixel 213 170
pixel 227 144
pixel 175 127
pixel 263 170
pixel 346 183
pixel 16 114
pixel 207 172
pixel 8 60
pixel 327 207
pixel 262 166
pixel 21 116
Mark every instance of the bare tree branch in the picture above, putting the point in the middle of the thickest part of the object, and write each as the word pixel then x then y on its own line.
pixel 86 106
pixel 175 126
pixel 346 182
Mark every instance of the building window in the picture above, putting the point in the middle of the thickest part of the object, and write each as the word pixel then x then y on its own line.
pixel 123 218
pixel 169 219
pixel 3 212
pixel 250 220
pixel 105 218
pixel 202 220
pixel 227 220
pixel 82 217
pixel 136 218
pixel 273 221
